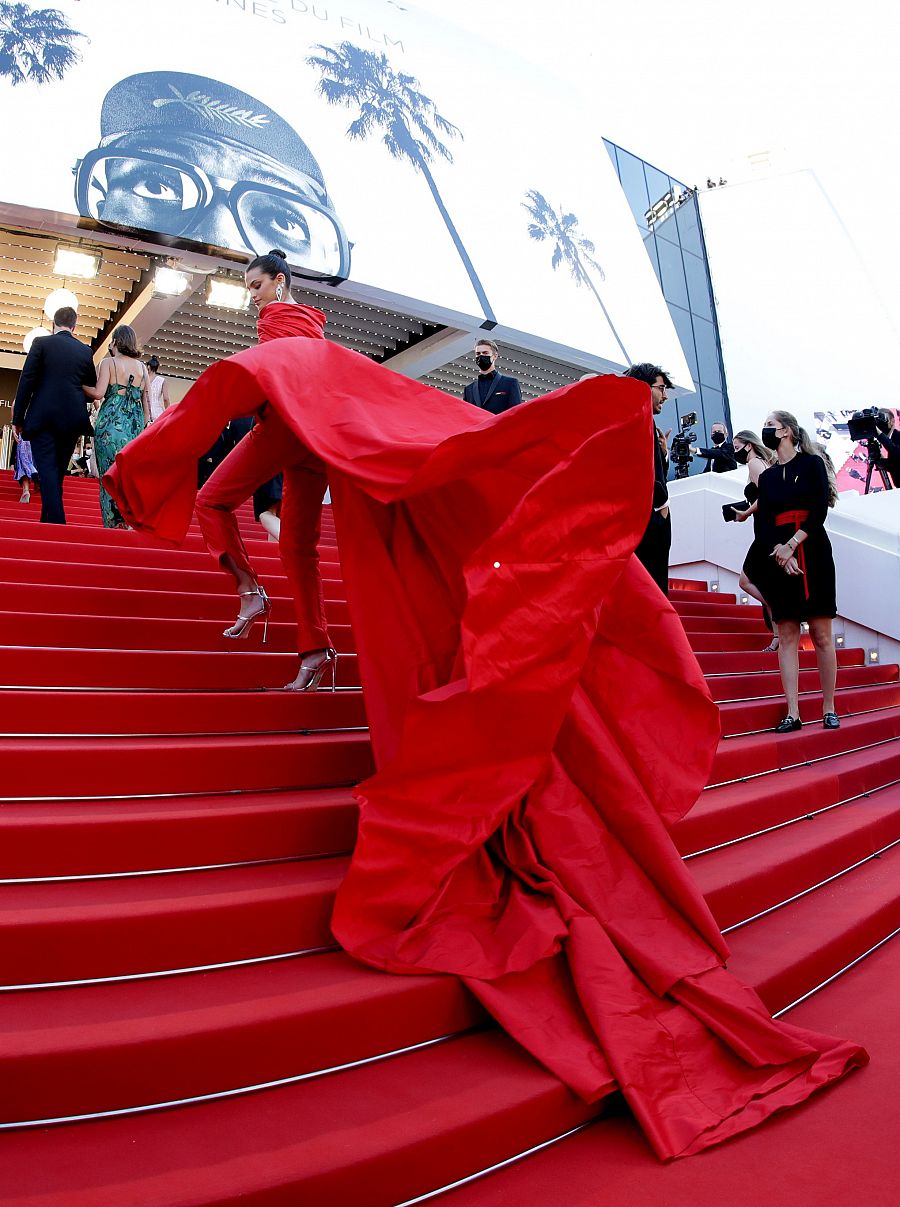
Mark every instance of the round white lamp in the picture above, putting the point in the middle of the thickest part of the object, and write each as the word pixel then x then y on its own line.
pixel 33 334
pixel 59 298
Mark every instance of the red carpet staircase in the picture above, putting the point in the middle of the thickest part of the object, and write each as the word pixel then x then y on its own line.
pixel 172 839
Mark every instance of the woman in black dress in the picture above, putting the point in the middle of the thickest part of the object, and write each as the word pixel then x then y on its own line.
pixel 749 451
pixel 790 559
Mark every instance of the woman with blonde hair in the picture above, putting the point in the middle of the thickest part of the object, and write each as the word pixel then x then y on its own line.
pixel 791 560
pixel 749 451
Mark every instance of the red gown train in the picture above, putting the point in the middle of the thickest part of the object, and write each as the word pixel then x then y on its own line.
pixel 538 721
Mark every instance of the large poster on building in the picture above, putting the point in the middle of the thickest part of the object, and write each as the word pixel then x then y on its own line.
pixel 366 140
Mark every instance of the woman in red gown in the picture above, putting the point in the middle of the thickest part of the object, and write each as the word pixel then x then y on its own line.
pixel 526 687
pixel 268 449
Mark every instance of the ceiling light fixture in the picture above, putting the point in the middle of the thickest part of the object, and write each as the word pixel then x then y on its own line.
pixel 57 299
pixel 75 262
pixel 169 282
pixel 228 293
pixel 34 334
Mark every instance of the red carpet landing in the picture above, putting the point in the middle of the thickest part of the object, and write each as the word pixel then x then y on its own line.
pixel 177 1025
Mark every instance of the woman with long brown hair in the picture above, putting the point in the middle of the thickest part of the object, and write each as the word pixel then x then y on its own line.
pixel 791 560
pixel 124 410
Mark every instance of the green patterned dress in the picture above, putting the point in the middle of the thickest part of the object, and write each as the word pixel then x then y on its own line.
pixel 121 418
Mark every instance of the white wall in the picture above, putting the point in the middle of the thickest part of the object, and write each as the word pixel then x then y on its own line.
pixel 801 325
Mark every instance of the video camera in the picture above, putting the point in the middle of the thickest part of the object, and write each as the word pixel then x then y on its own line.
pixel 865 425
pixel 681 455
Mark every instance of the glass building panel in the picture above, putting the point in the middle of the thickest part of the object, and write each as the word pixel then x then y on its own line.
pixel 714 407
pixel 685 329
pixel 667 229
pixel 687 217
pixel 678 255
pixel 658 184
pixel 707 353
pixel 650 244
pixel 698 285
pixel 631 174
pixel 672 268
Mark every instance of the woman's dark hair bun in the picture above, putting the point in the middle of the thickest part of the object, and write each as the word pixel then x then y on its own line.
pixel 272 263
pixel 282 255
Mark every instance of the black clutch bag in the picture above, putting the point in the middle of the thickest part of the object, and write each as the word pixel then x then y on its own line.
pixel 728 509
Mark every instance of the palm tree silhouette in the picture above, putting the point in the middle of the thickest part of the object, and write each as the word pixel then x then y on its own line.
pixel 390 102
pixel 569 248
pixel 35 44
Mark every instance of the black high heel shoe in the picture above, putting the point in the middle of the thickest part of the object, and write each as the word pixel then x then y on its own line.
pixel 309 677
pixel 831 721
pixel 244 624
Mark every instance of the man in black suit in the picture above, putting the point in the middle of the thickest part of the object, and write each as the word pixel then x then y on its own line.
pixel 720 458
pixel 491 390
pixel 51 408
pixel 653 551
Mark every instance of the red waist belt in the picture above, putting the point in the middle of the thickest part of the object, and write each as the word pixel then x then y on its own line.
pixel 796 518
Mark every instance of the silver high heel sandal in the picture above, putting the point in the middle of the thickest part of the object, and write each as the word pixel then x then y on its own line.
pixel 328 666
pixel 244 624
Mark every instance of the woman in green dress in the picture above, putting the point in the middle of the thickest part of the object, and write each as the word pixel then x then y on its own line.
pixel 124 409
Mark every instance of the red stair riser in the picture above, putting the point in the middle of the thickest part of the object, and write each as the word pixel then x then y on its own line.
pixel 749 877
pixel 161 712
pixel 736 810
pixel 768 683
pixel 211 1032
pixel 67 838
pixel 134 633
pixel 244 665
pixel 122 766
pixel 72 931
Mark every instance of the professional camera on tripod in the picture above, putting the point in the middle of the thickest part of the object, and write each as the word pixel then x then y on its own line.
pixel 681 455
pixel 863 426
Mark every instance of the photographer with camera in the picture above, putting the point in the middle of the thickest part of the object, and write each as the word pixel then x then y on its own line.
pixel 874 427
pixel 889 438
pixel 720 458
pixel 682 445
pixel 653 551
pixel 790 560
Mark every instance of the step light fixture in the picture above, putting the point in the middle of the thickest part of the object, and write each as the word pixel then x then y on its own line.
pixel 745 599
pixel 228 293
pixel 713 586
pixel 840 639
pixel 873 655
pixel 76 262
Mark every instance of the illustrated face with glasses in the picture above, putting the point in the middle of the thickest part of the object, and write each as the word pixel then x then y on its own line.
pixel 214 191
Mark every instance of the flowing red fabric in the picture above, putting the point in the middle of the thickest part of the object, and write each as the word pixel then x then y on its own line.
pixel 538 721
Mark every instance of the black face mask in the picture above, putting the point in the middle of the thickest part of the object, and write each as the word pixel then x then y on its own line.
pixel 769 439
pixel 483 363
pixel 741 455
pixel 718 437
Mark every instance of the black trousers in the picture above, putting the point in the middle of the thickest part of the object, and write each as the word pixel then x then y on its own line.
pixel 653 551
pixel 51 451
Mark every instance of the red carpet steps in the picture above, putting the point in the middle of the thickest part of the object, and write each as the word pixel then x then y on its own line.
pixel 171 842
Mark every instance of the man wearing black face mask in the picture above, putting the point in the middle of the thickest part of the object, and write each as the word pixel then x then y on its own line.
pixel 720 457
pixel 491 390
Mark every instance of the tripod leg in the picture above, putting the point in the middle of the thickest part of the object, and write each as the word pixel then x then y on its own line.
pixel 871 466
